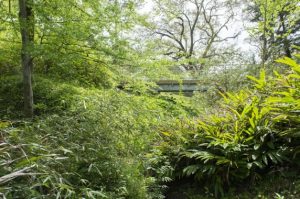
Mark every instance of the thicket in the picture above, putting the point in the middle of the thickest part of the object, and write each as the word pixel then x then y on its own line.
pixel 251 134
pixel 98 130
pixel 84 142
pixel 91 143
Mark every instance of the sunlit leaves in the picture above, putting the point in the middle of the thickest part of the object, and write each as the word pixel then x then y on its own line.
pixel 253 130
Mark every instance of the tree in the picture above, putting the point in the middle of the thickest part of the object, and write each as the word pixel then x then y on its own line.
pixel 83 41
pixel 26 19
pixel 277 26
pixel 191 30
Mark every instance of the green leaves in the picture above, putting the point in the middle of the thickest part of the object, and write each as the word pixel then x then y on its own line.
pixel 191 170
pixel 261 82
pixel 254 130
pixel 290 62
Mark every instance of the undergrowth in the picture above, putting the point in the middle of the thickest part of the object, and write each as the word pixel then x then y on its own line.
pixel 83 143
pixel 252 133
pixel 91 143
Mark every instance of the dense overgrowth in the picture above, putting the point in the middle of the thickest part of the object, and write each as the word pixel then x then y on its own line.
pixel 253 132
pixel 81 115
pixel 93 143
pixel 86 143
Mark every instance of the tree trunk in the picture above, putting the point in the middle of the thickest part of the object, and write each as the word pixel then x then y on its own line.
pixel 264 37
pixel 27 33
pixel 286 43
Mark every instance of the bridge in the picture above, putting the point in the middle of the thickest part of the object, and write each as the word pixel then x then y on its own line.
pixel 187 87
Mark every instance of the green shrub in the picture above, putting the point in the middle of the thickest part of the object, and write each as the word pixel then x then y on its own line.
pixel 49 96
pixel 11 101
pixel 85 143
pixel 253 132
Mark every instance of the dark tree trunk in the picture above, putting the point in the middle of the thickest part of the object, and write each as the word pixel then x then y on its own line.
pixel 27 33
pixel 286 43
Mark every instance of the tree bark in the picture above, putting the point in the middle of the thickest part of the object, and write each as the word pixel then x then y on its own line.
pixel 286 43
pixel 27 34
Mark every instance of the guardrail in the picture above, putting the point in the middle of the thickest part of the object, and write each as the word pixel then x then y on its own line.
pixel 184 86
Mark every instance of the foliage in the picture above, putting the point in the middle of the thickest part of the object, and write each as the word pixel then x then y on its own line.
pixel 50 96
pixel 86 142
pixel 277 24
pixel 222 79
pixel 100 130
pixel 253 132
pixel 82 42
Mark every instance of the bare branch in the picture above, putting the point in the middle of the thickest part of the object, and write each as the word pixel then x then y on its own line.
pixel 172 37
pixel 195 30
pixel 226 38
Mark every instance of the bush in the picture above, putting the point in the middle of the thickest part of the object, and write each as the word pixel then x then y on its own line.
pixel 86 143
pixel 254 132
pixel 49 96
